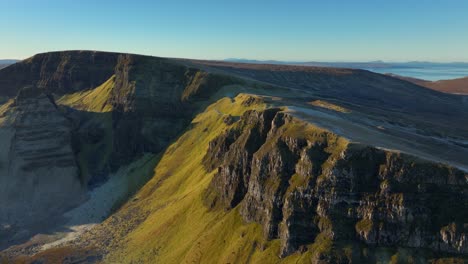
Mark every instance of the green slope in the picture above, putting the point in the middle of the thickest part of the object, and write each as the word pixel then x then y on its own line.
pixel 179 228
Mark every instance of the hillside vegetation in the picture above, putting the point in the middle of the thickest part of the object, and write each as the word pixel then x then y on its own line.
pixel 183 161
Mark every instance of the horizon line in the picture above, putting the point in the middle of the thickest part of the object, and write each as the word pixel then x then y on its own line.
pixel 250 59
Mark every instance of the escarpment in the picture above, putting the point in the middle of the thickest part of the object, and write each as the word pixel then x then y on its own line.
pixel 238 144
pixel 152 100
pixel 39 173
pixel 200 163
pixel 84 116
pixel 58 72
pixel 305 184
pixel 120 105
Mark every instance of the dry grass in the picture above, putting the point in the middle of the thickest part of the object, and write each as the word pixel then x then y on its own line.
pixel 57 255
pixel 330 106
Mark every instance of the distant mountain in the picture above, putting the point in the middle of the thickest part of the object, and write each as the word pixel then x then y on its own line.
pixel 352 65
pixel 356 64
pixel 431 71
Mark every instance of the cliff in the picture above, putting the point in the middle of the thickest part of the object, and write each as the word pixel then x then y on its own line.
pixel 69 120
pixel 227 163
pixel 38 168
pixel 303 184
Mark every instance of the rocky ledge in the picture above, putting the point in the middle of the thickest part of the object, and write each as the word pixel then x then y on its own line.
pixel 305 184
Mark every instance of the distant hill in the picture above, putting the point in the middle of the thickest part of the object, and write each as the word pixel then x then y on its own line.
pixel 8 61
pixel 355 64
pixel 454 86
pixel 4 63
pixel 431 71
pixel 352 65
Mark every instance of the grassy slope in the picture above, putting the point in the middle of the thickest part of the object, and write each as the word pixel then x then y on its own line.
pixel 93 103
pixel 94 100
pixel 180 229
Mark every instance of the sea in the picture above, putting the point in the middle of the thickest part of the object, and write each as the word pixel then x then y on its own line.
pixel 430 72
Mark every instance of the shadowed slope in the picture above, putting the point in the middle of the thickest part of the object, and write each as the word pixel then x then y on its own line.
pixel 303 180
pixel 141 105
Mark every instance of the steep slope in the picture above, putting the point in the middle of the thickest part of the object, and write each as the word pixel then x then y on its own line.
pixel 121 104
pixel 304 182
pixel 39 172
pixel 60 72
pixel 297 171
pixel 271 188
pixel 140 106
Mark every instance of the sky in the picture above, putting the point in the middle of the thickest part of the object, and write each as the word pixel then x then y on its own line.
pixel 293 30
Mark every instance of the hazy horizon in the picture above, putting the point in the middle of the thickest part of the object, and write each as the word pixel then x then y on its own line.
pixel 254 59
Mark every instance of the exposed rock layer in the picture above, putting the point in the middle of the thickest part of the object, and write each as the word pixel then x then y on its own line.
pixel 54 152
pixel 39 175
pixel 301 182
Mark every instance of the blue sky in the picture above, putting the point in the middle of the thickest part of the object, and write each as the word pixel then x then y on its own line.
pixel 359 30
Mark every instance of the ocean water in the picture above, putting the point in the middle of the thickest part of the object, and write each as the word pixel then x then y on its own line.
pixel 430 73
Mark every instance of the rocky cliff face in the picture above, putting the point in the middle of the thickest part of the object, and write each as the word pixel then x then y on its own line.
pixel 38 171
pixel 152 100
pixel 59 72
pixel 116 108
pixel 148 101
pixel 88 114
pixel 304 184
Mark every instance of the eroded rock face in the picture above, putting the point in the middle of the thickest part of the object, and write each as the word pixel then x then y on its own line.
pixel 153 102
pixel 301 182
pixel 238 144
pixel 59 72
pixel 52 154
pixel 39 175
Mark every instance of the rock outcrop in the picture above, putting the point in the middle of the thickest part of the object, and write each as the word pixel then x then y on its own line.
pixel 54 151
pixel 305 184
pixel 87 114
pixel 147 102
pixel 59 72
pixel 152 101
pixel 39 175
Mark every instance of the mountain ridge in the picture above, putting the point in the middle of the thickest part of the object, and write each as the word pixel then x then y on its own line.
pixel 190 147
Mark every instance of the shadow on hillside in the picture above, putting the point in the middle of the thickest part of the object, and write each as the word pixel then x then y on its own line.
pixel 116 153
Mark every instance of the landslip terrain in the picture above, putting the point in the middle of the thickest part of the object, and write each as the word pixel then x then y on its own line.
pixel 122 158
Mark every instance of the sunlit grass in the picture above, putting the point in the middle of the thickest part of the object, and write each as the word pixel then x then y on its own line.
pixel 180 228
pixel 330 106
pixel 95 100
